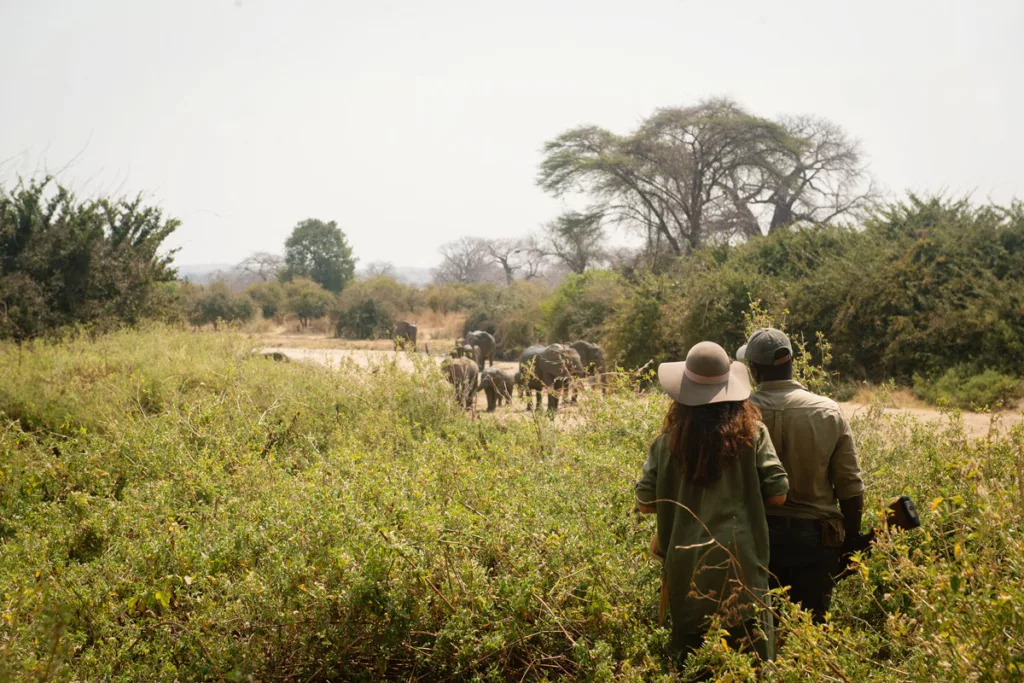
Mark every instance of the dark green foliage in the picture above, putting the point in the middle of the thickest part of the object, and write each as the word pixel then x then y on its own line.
pixel 307 300
pixel 319 251
pixel 268 296
pixel 367 309
pixel 217 304
pixel 959 387
pixel 927 285
pixel 581 304
pixel 366 319
pixel 512 314
pixel 65 261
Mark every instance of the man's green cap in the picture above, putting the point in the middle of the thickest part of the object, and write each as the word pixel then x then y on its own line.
pixel 767 346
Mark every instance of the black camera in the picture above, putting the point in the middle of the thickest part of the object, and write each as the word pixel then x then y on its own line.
pixel 903 514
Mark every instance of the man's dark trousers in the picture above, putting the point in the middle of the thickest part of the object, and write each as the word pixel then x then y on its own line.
pixel 798 559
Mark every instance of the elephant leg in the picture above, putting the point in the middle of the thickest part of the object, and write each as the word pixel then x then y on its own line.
pixel 538 399
pixel 553 401
pixel 491 399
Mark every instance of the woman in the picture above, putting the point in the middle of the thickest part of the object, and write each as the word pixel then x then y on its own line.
pixel 708 477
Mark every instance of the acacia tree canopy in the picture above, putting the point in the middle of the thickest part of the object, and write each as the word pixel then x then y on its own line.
pixel 690 175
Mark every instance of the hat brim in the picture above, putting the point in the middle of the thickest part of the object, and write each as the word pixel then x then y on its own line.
pixel 684 390
pixel 741 353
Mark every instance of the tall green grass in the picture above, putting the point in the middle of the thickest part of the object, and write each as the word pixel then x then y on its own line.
pixel 174 506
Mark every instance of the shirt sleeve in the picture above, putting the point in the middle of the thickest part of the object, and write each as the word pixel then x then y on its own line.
pixel 844 468
pixel 646 488
pixel 770 471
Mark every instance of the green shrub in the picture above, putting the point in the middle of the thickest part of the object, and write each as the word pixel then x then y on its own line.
pixel 367 319
pixel 306 300
pixel 512 315
pixel 963 387
pixel 269 297
pixel 71 262
pixel 173 506
pixel 217 304
pixel 580 306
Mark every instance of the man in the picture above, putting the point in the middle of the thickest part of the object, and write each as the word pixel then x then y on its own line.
pixel 812 438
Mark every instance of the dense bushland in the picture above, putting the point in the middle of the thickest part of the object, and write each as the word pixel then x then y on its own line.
pixel 173 506
pixel 66 261
pixel 925 286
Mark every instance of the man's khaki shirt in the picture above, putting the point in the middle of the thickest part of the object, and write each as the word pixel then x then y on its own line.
pixel 815 444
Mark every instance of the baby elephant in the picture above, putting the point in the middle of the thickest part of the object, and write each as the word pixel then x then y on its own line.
pixel 462 373
pixel 497 386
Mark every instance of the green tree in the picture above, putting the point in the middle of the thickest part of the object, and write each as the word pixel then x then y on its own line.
pixel 307 300
pixel 689 176
pixel 216 304
pixel 581 304
pixel 269 296
pixel 576 239
pixel 366 319
pixel 64 261
pixel 319 251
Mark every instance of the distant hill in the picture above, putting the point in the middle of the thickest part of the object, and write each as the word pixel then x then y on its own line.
pixel 203 273
pixel 200 273
pixel 412 275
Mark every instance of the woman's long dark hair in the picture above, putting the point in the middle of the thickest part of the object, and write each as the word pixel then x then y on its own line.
pixel 707 439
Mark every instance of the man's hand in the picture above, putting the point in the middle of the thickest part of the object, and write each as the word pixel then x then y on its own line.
pixel 853 510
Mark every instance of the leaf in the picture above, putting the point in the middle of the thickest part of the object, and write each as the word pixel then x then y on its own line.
pixel 164 598
pixel 958 552
pixel 936 503
pixel 188 580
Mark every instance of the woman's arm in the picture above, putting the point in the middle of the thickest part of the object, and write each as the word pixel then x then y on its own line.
pixel 774 482
pixel 646 488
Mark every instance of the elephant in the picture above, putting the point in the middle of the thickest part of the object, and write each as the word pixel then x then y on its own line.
pixel 276 355
pixel 548 367
pixel 592 356
pixel 486 343
pixel 463 350
pixel 497 386
pixel 463 374
pixel 403 333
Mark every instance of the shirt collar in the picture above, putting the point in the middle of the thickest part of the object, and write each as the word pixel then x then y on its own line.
pixel 780 385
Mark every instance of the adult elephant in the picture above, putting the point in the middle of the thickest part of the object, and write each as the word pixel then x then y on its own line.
pixel 486 343
pixel 465 350
pixel 462 373
pixel 592 356
pixel 497 386
pixel 404 333
pixel 551 368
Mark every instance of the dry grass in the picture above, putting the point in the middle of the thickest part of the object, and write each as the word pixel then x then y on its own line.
pixel 439 326
pixel 887 397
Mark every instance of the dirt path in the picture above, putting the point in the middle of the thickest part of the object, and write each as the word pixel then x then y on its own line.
pixel 977 424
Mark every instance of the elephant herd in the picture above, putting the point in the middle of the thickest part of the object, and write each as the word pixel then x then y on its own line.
pixel 552 368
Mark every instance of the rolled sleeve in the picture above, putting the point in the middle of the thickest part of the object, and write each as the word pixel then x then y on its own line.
pixel 844 467
pixel 646 488
pixel 770 471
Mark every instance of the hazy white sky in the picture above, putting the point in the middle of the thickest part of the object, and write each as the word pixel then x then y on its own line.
pixel 412 123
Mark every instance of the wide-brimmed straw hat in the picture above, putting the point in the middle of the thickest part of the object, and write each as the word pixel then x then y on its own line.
pixel 706 376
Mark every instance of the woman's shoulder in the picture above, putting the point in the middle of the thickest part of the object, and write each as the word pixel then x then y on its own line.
pixel 660 443
pixel 761 432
